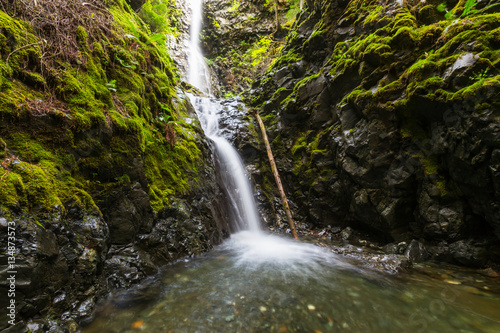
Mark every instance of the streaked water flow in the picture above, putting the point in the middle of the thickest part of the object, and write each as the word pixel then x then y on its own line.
pixel 231 170
pixel 198 74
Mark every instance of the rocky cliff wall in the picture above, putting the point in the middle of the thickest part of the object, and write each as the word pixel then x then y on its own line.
pixel 241 39
pixel 384 116
pixel 105 172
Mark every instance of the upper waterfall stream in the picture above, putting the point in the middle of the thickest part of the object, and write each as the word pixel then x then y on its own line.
pixel 259 282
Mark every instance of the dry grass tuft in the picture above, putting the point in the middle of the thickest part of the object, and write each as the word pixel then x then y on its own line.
pixel 56 21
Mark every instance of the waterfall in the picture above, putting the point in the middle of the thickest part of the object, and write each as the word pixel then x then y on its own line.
pixel 232 172
pixel 234 179
pixel 198 74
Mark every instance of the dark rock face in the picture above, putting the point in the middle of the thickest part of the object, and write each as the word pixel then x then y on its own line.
pixel 380 119
pixel 65 263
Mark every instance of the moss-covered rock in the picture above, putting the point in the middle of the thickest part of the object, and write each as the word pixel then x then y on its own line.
pixel 384 141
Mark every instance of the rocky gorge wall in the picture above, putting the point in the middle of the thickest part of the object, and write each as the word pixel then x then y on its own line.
pixel 105 172
pixel 240 39
pixel 384 117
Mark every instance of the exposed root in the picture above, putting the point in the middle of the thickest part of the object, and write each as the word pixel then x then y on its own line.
pixel 170 135
pixel 40 107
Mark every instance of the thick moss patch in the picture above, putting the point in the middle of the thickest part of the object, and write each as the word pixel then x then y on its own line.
pixel 75 128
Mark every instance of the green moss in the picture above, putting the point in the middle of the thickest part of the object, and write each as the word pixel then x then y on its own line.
pixel 355 96
pixel 475 89
pixel 376 13
pixel 286 58
pixel 404 19
pixel 300 144
pixel 39 187
pixel 12 190
pixel 94 132
pixel 430 164
pixel 429 85
pixel 421 70
pixel 3 148
pixel 82 37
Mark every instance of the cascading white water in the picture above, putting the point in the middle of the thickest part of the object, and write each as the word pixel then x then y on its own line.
pixel 198 74
pixel 231 170
pixel 234 179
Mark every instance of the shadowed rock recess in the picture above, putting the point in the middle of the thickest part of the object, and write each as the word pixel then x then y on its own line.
pixel 385 116
pixel 105 172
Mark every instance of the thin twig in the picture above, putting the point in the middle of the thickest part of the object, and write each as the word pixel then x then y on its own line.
pixel 4 175
pixel 22 47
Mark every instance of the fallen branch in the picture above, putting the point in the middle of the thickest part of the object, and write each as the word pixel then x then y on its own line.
pixel 22 47
pixel 284 201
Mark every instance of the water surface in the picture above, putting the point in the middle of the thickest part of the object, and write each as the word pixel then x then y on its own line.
pixel 257 282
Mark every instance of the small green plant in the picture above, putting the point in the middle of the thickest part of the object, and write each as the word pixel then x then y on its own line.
pixel 163 118
pixel 442 8
pixel 209 62
pixel 469 8
pixel 482 75
pixel 132 66
pixel 111 85
pixel 229 94
pixel 161 16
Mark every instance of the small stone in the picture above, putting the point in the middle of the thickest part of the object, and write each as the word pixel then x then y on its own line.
pixel 311 307
pixel 452 281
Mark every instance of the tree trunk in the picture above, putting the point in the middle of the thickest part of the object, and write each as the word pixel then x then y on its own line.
pixel 284 201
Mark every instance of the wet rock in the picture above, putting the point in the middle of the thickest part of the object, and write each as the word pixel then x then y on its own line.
pixel 85 312
pixel 46 243
pixel 127 266
pixel 400 161
pixel 128 212
pixel 393 248
pixel 416 252
pixel 346 234
pixel 469 254
pixel 388 263
pixel 461 70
